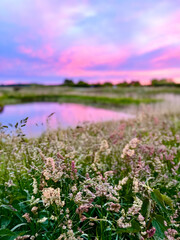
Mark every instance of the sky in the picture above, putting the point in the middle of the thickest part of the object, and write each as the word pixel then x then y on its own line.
pixel 46 41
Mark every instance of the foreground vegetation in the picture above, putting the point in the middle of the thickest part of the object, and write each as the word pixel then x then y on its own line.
pixel 116 180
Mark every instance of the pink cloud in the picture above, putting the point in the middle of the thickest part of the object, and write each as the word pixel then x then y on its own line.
pixel 50 20
pixel 167 55
pixel 5 64
pixel 43 53
pixel 8 82
pixel 158 31
pixel 49 69
pixel 78 69
pixel 76 58
pixel 8 64
pixel 84 56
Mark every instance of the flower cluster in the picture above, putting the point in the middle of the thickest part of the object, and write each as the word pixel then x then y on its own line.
pixel 50 196
pixel 75 185
pixel 128 150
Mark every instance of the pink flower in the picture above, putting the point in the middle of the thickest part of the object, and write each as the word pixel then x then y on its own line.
pixel 27 217
pixel 60 156
pixel 151 232
pixel 73 167
pixel 83 218
pixel 87 175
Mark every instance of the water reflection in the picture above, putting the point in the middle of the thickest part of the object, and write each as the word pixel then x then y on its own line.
pixel 65 115
pixel 169 105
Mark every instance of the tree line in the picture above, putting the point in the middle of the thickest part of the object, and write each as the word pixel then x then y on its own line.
pixel 136 83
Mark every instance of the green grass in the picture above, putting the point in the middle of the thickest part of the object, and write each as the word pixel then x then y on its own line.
pixel 104 96
pixel 98 100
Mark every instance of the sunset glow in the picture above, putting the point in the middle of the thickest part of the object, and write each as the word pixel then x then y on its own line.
pixel 47 41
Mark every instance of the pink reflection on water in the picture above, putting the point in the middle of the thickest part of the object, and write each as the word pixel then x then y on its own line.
pixel 66 115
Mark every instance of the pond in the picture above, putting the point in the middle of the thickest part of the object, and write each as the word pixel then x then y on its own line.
pixel 65 115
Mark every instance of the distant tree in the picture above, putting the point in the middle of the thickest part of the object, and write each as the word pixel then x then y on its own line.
pixel 82 84
pixel 135 83
pixel 68 83
pixel 154 82
pixel 162 82
pixel 107 84
pixel 123 84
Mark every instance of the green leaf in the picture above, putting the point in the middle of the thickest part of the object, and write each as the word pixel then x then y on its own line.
pixel 136 226
pixel 17 226
pixel 157 197
pixel 6 233
pixel 146 207
pixel 84 236
pixel 160 199
pixel 4 222
pixel 8 207
pixel 108 229
pixel 158 223
pixel 167 201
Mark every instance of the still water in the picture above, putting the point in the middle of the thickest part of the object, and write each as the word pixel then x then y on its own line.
pixel 65 115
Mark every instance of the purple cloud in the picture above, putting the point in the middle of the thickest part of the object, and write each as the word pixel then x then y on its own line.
pixel 46 41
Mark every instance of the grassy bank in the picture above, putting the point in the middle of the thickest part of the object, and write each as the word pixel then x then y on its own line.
pixel 102 181
pixel 85 99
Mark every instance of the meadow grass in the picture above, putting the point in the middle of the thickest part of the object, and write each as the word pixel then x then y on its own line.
pixel 114 180
pixel 74 98
pixel 102 96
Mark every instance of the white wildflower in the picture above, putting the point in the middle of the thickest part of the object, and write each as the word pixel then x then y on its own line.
pixel 35 188
pixel 121 183
pixel 42 220
pixel 51 195
pixel 122 224
pixel 135 185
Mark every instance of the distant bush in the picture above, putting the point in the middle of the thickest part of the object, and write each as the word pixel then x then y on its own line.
pixel 162 82
pixel 82 84
pixel 68 83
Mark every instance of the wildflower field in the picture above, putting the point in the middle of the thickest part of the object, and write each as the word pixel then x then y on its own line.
pixel 114 180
